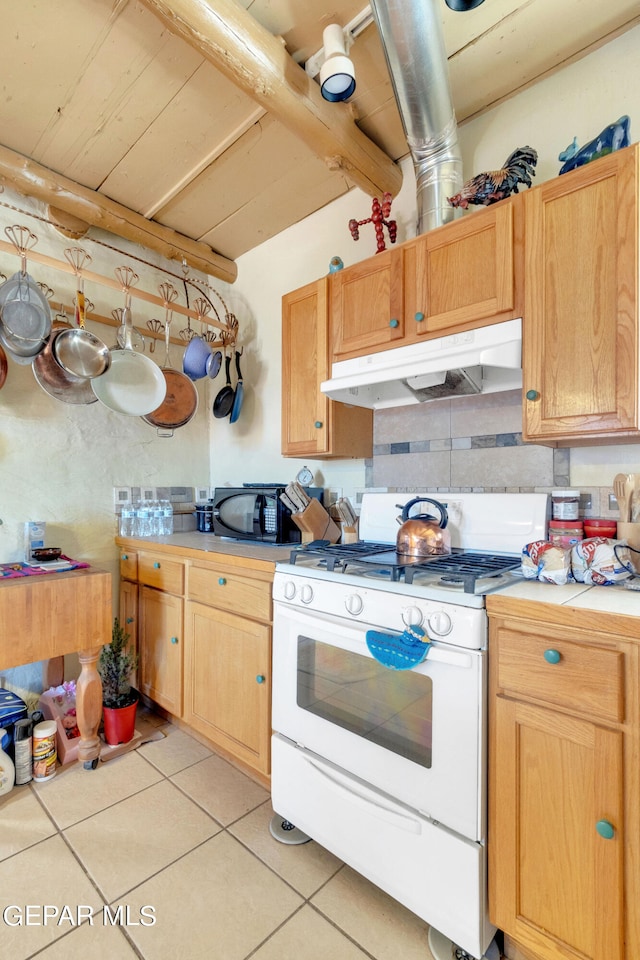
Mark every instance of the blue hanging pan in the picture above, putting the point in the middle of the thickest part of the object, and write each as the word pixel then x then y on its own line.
pixel 239 394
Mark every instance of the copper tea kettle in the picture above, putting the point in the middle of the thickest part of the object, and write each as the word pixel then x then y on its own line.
pixel 423 535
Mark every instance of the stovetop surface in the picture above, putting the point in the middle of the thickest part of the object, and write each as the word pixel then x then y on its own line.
pixel 461 569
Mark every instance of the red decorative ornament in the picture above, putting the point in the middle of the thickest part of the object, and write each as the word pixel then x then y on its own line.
pixel 379 218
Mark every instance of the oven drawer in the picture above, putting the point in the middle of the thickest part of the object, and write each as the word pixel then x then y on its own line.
pixel 580 677
pixel 439 876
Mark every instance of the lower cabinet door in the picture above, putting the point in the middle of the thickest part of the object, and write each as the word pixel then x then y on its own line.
pixel 160 641
pixel 556 833
pixel 228 682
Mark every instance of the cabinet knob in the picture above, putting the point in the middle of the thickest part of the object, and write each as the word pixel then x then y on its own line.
pixel 419 316
pixel 174 639
pixel 259 678
pixel 394 323
pixel 124 556
pixel 532 395
pixel 552 656
pixel 222 581
pixel 129 619
pixel 156 565
pixel 318 424
pixel 605 829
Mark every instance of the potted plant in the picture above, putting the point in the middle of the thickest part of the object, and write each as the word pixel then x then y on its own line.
pixel 117 663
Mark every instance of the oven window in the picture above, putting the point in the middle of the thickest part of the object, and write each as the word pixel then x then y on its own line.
pixel 393 708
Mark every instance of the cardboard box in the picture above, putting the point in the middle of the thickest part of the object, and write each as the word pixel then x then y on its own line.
pixel 59 704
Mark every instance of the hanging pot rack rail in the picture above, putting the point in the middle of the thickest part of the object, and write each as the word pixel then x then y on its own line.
pixel 112 283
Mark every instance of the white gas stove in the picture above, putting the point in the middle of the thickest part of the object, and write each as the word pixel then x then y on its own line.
pixel 387 767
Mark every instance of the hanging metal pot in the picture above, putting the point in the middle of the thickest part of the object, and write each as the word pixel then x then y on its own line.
pixel 53 379
pixel 181 400
pixel 77 350
pixel 133 384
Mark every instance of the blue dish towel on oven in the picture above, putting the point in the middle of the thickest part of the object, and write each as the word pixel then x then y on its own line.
pixel 398 651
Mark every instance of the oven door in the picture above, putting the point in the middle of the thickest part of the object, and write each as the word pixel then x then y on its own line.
pixel 418 735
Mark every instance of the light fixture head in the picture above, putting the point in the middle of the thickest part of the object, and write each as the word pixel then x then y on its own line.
pixel 337 73
pixel 461 6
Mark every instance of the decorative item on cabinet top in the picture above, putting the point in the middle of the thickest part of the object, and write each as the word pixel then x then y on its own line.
pixel 494 185
pixel 613 137
pixel 379 218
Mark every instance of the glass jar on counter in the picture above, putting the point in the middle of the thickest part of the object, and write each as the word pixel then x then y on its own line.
pixel 565 504
pixel 566 533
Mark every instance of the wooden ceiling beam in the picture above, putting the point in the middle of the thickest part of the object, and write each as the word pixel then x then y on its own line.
pixel 244 51
pixel 33 180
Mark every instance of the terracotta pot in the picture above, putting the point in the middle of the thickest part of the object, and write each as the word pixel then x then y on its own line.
pixel 119 723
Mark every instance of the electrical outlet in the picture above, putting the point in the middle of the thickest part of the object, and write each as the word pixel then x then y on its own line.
pixel 121 495
pixel 332 495
pixel 613 502
pixel 202 494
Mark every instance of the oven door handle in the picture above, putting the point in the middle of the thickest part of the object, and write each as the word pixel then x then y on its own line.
pixel 358 793
pixel 452 657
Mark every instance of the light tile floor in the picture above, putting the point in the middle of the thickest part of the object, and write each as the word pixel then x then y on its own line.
pixel 171 832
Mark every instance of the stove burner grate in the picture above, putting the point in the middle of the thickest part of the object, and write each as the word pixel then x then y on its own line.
pixel 458 567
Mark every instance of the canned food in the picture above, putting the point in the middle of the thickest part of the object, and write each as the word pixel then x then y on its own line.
pixel 45 752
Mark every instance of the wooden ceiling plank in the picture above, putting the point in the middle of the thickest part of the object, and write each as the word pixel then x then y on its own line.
pixel 32 179
pixel 195 127
pixel 256 61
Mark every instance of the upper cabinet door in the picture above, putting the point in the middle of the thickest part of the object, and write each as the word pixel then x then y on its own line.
pixel 463 273
pixel 305 364
pixel 366 306
pixel 312 425
pixel 580 336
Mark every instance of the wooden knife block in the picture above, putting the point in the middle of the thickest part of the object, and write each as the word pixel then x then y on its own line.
pixel 315 523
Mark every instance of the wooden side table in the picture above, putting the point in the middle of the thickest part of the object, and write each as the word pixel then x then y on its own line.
pixel 43 617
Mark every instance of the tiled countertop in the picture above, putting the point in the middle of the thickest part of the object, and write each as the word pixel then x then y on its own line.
pixel 613 609
pixel 193 545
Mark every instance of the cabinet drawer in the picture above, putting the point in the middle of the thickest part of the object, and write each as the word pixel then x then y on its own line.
pixel 580 677
pixel 157 571
pixel 128 564
pixel 227 590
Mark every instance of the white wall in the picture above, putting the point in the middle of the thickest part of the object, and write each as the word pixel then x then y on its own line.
pixel 577 101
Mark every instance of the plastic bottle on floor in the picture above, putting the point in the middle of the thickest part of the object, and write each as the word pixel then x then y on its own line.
pixel 7 769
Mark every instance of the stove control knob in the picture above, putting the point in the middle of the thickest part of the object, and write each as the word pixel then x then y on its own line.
pixel 289 590
pixel 412 617
pixel 306 594
pixel 440 623
pixel 354 604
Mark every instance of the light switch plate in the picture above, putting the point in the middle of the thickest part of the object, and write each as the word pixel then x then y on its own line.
pixel 121 495
pixel 202 493
pixel 148 493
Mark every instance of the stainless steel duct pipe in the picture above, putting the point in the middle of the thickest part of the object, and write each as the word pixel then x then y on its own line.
pixel 413 44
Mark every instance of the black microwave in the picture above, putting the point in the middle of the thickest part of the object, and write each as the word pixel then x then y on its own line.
pixel 254 512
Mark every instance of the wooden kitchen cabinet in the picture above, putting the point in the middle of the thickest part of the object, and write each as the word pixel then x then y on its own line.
pixel 462 275
pixel 204 639
pixel 228 660
pixel 151 611
pixel 580 331
pixel 466 273
pixel 564 819
pixel 313 426
pixel 161 648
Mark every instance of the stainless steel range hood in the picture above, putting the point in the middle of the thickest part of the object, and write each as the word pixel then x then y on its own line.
pixel 485 360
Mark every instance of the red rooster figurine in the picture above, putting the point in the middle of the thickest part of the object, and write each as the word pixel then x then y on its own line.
pixel 379 218
pixel 495 185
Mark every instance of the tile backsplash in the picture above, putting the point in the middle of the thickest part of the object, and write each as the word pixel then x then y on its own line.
pixel 470 444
